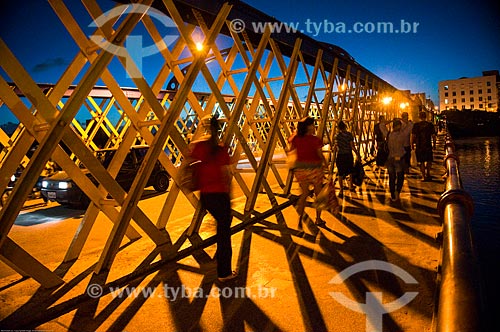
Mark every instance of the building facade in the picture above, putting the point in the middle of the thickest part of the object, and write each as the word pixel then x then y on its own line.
pixel 476 93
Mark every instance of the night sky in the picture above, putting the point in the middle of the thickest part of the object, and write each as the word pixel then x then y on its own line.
pixel 453 38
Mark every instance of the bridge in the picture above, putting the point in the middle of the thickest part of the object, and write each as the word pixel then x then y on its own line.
pixel 260 84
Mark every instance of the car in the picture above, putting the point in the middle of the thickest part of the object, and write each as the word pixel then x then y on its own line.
pixel 36 191
pixel 60 188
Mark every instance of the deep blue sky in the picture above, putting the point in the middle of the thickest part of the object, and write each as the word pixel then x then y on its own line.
pixel 453 38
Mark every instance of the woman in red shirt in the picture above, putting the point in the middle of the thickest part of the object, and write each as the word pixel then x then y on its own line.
pixel 214 183
pixel 309 165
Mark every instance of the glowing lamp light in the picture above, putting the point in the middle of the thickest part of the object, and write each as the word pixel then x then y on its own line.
pixel 404 105
pixel 387 100
pixel 199 46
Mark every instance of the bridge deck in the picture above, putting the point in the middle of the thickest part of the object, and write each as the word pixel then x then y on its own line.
pixel 287 274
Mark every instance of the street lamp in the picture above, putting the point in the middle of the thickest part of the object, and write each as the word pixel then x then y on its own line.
pixel 387 100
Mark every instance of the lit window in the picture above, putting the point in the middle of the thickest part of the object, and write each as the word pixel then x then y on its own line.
pixel 446 101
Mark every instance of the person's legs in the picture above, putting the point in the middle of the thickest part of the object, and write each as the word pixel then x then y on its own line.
pixel 344 166
pixel 317 189
pixel 400 177
pixel 219 206
pixel 350 169
pixel 422 169
pixel 407 158
pixel 428 169
pixel 301 203
pixel 341 185
pixel 392 179
pixel 427 164
pixel 351 185
pixel 421 159
pixel 401 170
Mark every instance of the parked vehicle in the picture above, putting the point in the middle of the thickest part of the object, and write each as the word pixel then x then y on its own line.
pixel 60 188
pixel 35 192
pixel 49 169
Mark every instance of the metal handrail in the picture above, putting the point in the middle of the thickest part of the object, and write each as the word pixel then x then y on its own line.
pixel 459 291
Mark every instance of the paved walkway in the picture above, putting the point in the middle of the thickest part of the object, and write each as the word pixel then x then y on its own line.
pixel 290 280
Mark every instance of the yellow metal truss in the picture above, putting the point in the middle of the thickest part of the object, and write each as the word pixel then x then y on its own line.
pixel 259 119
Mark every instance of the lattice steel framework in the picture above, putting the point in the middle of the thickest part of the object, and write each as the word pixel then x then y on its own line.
pixel 273 80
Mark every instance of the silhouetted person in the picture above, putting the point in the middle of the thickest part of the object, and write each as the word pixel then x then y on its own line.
pixel 380 130
pixel 407 127
pixel 423 138
pixel 343 148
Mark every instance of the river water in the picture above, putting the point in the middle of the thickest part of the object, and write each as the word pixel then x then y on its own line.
pixel 480 174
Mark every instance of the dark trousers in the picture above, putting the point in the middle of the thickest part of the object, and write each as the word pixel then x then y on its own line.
pixel 396 182
pixel 407 157
pixel 396 170
pixel 219 206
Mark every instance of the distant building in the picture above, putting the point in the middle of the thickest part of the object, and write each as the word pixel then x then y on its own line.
pixel 479 93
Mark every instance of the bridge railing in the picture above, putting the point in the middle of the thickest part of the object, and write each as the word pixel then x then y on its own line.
pixel 459 290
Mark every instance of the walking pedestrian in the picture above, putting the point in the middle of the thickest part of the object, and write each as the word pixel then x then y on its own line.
pixel 407 127
pixel 213 178
pixel 380 130
pixel 396 161
pixel 309 165
pixel 380 133
pixel 343 148
pixel 423 137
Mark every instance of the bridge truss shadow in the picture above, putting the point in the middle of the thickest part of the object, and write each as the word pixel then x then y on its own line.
pixel 294 255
